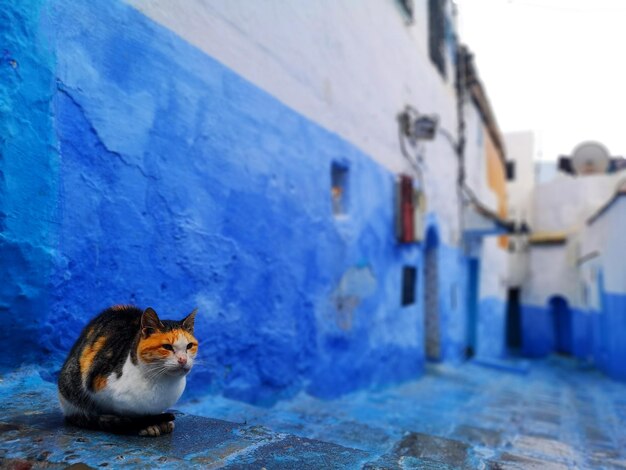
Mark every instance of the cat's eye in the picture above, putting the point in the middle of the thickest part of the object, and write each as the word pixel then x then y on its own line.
pixel 169 347
pixel 190 345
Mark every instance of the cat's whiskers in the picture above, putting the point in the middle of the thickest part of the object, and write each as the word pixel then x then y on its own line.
pixel 156 371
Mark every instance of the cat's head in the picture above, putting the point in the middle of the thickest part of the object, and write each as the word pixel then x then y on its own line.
pixel 166 346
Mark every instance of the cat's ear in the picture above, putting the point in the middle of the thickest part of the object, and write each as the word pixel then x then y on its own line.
pixel 189 321
pixel 150 322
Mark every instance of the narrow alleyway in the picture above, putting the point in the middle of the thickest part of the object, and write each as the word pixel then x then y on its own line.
pixel 544 415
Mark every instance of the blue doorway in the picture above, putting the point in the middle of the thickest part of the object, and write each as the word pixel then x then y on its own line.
pixel 562 321
pixel 513 321
pixel 432 326
pixel 472 306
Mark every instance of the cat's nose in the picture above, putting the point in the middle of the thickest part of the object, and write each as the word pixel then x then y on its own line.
pixel 182 360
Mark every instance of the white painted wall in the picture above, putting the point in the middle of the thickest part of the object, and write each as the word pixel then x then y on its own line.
pixel 549 275
pixel 521 149
pixel 349 66
pixel 494 260
pixel 475 157
pixel 566 202
pixel 605 237
pixel 493 272
pixel 545 171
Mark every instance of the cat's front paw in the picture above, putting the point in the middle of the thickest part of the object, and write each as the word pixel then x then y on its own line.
pixel 157 429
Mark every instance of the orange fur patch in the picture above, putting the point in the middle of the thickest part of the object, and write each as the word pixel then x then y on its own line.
pixel 151 348
pixel 88 354
pixel 99 382
pixel 119 308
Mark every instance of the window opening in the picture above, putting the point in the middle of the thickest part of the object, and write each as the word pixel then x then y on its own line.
pixel 437 34
pixel 339 188
pixel 409 283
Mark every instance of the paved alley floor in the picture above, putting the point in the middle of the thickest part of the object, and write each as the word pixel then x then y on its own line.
pixel 543 414
pixel 546 415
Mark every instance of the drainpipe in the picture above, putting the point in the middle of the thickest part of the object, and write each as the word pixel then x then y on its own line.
pixel 460 80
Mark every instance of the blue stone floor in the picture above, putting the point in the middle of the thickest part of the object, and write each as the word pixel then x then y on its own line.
pixel 554 413
pixel 550 414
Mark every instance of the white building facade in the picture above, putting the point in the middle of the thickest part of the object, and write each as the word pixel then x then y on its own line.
pixel 573 291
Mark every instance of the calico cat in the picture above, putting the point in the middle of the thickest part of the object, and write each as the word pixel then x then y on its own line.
pixel 126 368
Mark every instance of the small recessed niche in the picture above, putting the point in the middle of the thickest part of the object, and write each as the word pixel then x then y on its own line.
pixel 409 283
pixel 339 174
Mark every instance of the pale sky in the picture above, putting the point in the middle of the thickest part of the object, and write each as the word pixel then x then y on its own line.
pixel 556 67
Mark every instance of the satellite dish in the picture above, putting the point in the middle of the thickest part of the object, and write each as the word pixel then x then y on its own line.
pixel 590 158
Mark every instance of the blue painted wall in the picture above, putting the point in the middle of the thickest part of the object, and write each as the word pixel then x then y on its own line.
pixel 609 328
pixel 28 176
pixel 453 285
pixel 596 336
pixel 582 336
pixel 472 294
pixel 155 175
pixel 492 328
pixel 537 331
pixel 553 328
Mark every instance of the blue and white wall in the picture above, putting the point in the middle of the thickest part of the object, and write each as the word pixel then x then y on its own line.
pixel 600 332
pixel 587 272
pixel 489 320
pixel 179 154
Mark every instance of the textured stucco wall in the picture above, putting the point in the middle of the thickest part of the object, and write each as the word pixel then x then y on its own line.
pixel 604 278
pixel 28 169
pixel 565 203
pixel 559 205
pixel 604 237
pixel 181 184
pixel 476 158
pixel 491 328
pixel 485 178
pixel 589 273
pixel 609 342
pixel 171 180
pixel 550 273
pixel 350 68
pixel 453 302
pixel 522 150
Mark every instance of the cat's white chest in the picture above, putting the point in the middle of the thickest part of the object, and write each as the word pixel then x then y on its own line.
pixel 134 394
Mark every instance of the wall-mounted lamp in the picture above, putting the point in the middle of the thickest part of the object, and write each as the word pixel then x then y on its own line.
pixel 417 126
pixel 425 127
